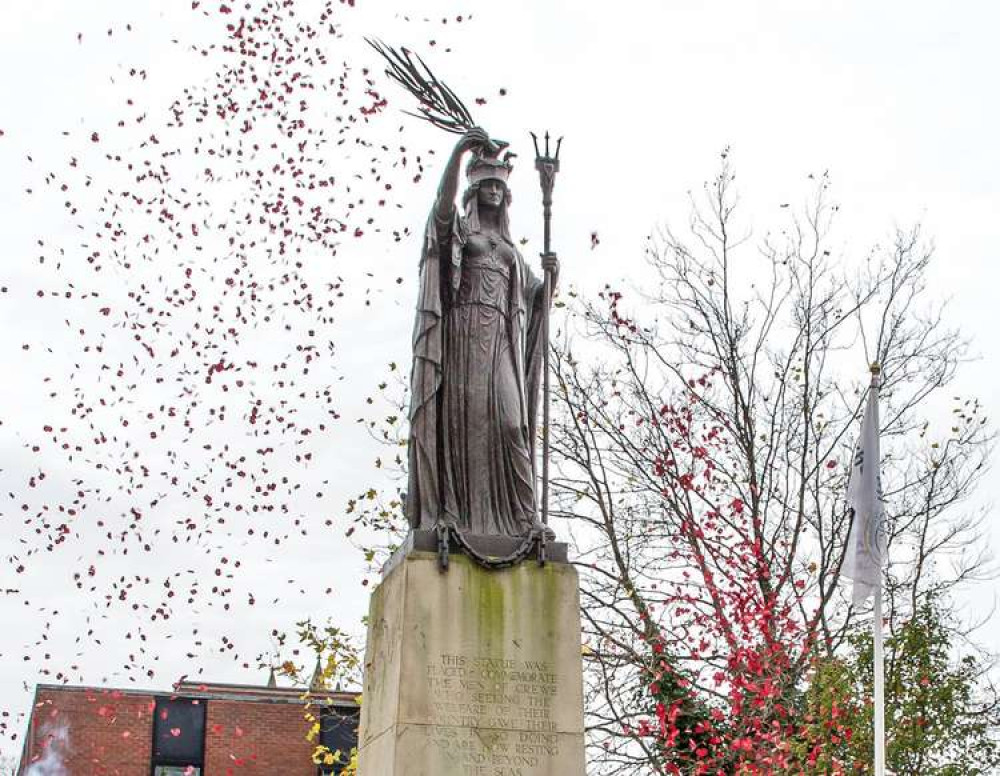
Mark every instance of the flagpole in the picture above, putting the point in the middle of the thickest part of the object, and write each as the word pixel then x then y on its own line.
pixel 878 667
pixel 879 670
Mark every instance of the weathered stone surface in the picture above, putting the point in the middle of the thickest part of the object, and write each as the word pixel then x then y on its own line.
pixel 473 672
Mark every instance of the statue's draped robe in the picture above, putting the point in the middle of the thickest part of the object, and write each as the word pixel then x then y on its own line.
pixel 474 384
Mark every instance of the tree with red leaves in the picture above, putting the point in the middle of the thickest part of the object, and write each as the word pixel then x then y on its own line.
pixel 702 450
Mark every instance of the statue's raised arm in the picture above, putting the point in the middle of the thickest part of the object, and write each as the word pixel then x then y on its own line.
pixel 444 205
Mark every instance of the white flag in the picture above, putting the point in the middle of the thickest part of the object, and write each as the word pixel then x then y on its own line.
pixel 866 540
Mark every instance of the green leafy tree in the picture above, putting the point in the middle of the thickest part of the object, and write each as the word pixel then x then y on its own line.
pixel 941 711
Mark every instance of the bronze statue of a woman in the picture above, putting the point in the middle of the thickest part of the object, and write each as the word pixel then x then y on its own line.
pixel 477 358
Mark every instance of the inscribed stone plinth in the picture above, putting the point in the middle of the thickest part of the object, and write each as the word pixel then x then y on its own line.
pixel 473 672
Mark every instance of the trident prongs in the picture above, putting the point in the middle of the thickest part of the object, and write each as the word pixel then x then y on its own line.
pixel 548 149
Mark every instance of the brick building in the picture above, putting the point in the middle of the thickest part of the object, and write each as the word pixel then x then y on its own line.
pixel 197 729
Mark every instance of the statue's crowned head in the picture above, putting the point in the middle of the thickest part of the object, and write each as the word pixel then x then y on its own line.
pixel 484 168
pixel 482 171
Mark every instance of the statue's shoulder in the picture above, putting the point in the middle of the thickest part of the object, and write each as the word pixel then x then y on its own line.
pixel 452 228
pixel 452 222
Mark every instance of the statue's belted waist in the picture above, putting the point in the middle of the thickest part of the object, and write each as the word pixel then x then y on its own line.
pixel 484 282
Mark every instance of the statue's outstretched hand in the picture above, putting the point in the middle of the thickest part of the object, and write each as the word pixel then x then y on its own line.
pixel 550 263
pixel 475 139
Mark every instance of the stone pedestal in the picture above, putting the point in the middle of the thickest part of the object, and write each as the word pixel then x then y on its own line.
pixel 473 672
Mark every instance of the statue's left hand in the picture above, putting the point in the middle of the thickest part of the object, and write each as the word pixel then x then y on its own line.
pixel 550 263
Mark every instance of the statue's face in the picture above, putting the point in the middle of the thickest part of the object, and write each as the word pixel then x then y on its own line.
pixel 491 192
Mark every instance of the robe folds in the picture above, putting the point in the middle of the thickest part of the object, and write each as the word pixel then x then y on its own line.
pixel 474 384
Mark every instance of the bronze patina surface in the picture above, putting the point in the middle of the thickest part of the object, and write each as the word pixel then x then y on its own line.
pixel 477 358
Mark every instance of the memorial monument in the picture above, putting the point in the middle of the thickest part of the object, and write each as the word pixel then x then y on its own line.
pixel 473 659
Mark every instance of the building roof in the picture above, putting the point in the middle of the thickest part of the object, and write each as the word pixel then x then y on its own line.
pixel 223 691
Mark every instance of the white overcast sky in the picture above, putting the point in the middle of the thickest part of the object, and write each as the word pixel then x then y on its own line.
pixel 895 98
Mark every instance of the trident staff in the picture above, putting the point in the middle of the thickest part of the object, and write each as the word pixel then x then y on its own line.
pixel 547 165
